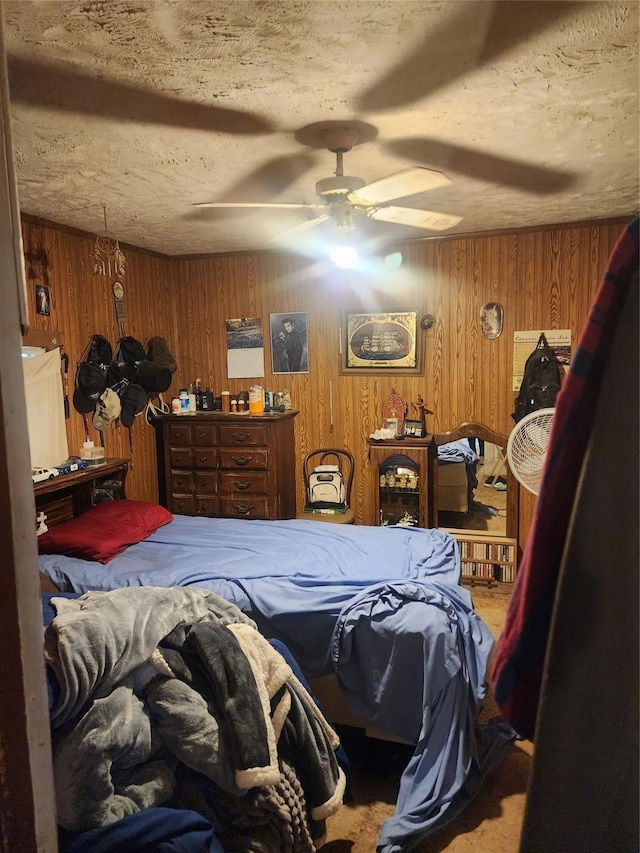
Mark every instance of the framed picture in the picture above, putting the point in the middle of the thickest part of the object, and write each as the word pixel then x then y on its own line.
pixel 413 429
pixel 43 304
pixel 491 320
pixel 391 424
pixel 380 342
pixel 289 343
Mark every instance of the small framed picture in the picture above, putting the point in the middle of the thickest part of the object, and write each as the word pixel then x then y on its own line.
pixel 392 425
pixel 413 429
pixel 43 303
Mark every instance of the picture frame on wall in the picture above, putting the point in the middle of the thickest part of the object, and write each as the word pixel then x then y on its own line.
pixel 289 342
pixel 380 342
pixel 43 302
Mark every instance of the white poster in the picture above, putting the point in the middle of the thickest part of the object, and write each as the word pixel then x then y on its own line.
pixel 245 348
pixel 524 344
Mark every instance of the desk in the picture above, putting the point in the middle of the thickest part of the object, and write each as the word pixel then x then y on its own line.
pixel 69 495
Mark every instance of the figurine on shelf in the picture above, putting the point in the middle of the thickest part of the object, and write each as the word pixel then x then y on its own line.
pixel 421 409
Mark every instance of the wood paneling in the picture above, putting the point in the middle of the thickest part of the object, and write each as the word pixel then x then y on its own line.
pixel 543 279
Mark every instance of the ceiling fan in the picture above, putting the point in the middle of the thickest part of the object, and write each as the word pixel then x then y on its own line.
pixel 342 197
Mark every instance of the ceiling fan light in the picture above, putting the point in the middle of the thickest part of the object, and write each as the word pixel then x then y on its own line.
pixel 343 217
pixel 345 257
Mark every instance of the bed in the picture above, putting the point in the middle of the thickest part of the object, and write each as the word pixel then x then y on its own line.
pixel 379 609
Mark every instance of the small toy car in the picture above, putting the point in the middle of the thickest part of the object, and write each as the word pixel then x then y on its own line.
pixel 38 475
pixel 73 463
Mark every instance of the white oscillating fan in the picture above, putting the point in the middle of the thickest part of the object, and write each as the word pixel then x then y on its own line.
pixel 527 448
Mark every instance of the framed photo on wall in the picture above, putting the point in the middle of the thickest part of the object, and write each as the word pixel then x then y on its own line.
pixel 380 342
pixel 43 303
pixel 289 343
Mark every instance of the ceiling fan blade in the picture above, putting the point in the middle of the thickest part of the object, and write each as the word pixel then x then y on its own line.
pixel 477 33
pixel 284 205
pixel 301 228
pixel 401 184
pixel 541 180
pixel 66 89
pixel 430 220
pixel 265 182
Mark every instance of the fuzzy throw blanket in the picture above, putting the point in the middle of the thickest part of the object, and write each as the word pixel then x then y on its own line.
pixel 154 680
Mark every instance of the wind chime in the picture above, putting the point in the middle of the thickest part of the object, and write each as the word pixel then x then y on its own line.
pixel 107 256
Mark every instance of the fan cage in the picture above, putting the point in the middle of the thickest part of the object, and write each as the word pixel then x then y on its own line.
pixel 527 448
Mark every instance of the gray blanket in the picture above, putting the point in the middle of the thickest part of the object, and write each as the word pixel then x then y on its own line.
pixel 133 665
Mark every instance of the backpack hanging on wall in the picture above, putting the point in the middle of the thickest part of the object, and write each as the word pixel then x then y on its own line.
pixel 541 381
pixel 326 487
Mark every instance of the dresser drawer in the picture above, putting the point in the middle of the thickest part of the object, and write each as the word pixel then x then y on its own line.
pixel 205 457
pixel 244 507
pixel 205 482
pixel 180 457
pixel 234 435
pixel 204 434
pixel 245 483
pixel 181 482
pixel 206 505
pixel 243 457
pixel 179 434
pixel 182 504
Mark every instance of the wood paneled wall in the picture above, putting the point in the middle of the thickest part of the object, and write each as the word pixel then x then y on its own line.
pixel 544 278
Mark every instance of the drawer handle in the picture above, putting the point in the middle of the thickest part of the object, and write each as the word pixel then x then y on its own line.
pixel 178 433
pixel 243 509
pixel 241 460
pixel 241 485
pixel 240 436
pixel 179 458
pixel 180 504
pixel 202 435
pixel 179 481
pixel 203 459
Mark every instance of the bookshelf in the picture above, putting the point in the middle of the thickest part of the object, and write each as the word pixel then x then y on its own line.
pixel 489 561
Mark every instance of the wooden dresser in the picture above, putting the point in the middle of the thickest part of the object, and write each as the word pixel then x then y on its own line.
pixel 227 465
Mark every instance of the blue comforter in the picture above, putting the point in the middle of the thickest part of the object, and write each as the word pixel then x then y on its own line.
pixel 379 606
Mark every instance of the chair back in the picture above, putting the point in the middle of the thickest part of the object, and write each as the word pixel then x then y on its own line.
pixel 329 456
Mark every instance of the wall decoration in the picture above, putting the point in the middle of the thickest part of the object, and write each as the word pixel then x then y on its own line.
pixel 245 348
pixel 525 342
pixel 381 342
pixel 118 300
pixel 289 343
pixel 394 408
pixel 43 303
pixel 491 320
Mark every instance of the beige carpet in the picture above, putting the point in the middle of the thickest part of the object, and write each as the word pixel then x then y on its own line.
pixel 491 823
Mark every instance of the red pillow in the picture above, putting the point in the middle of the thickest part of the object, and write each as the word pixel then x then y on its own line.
pixel 105 530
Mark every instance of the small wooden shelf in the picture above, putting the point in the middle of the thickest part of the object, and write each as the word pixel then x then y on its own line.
pixel 487 560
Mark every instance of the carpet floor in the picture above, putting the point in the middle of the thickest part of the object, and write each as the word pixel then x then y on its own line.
pixel 492 821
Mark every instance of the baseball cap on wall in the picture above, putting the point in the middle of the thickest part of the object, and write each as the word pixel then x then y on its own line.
pixel 90 384
pixel 108 408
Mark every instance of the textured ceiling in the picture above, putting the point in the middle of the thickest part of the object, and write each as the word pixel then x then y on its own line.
pixel 150 106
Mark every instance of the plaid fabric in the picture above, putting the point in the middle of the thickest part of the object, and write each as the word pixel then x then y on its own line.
pixel 521 649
